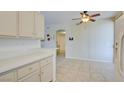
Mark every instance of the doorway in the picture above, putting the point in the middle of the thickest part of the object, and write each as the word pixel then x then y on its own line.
pixel 60 42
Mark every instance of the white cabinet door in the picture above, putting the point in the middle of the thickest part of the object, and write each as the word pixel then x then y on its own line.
pixel 39 25
pixel 8 23
pixel 33 77
pixel 47 73
pixel 26 24
pixel 8 77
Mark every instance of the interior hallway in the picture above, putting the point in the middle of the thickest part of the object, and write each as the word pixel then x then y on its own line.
pixel 70 70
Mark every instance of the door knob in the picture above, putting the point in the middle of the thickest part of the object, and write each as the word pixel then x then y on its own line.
pixel 116 45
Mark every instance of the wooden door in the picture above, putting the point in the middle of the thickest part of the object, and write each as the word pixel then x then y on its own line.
pixel 61 43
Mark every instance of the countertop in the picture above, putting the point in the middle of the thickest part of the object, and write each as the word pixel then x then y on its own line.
pixel 21 60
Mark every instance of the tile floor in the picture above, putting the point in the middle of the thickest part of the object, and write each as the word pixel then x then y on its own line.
pixel 70 70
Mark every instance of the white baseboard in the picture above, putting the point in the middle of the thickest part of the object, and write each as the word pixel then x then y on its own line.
pixel 87 59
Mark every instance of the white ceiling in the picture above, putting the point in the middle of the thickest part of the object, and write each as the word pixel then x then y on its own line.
pixel 60 17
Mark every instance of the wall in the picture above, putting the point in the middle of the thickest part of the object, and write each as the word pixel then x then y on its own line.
pixel 15 46
pixel 51 29
pixel 92 41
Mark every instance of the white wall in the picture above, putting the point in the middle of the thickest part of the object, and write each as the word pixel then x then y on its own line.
pixel 51 29
pixel 14 46
pixel 92 41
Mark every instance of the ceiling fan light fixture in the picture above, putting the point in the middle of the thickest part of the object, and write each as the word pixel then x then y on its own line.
pixel 85 19
pixel 83 15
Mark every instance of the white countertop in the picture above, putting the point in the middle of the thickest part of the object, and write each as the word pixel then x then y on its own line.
pixel 21 60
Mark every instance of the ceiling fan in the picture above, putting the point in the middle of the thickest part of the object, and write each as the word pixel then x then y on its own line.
pixel 86 17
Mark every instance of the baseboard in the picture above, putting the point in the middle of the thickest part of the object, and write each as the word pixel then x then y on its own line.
pixel 86 59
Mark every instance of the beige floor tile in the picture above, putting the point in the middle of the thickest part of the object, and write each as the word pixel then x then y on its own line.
pixel 83 77
pixel 70 70
pixel 97 77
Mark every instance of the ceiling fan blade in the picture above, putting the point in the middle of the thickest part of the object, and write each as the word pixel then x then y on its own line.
pixel 92 20
pixel 76 18
pixel 94 15
pixel 81 13
pixel 79 23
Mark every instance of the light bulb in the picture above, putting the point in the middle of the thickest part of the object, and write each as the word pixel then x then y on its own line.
pixel 85 19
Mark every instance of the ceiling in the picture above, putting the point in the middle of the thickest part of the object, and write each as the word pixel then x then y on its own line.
pixel 60 17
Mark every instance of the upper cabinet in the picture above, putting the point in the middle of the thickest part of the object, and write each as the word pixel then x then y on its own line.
pixel 26 24
pixel 39 25
pixel 8 23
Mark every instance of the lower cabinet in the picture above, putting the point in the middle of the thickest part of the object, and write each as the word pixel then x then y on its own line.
pixel 47 73
pixel 26 70
pixel 33 77
pixel 8 77
pixel 41 71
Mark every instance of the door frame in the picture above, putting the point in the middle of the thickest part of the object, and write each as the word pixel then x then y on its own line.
pixel 119 74
pixel 57 31
pixel 118 49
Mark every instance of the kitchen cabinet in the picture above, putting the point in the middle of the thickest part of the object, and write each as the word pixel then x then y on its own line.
pixel 29 73
pixel 47 73
pixel 22 24
pixel 33 77
pixel 9 77
pixel 8 23
pixel 26 24
pixel 40 71
pixel 24 71
pixel 39 25
pixel 47 70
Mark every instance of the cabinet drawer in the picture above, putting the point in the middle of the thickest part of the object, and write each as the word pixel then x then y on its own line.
pixel 46 61
pixel 33 77
pixel 27 70
pixel 8 77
